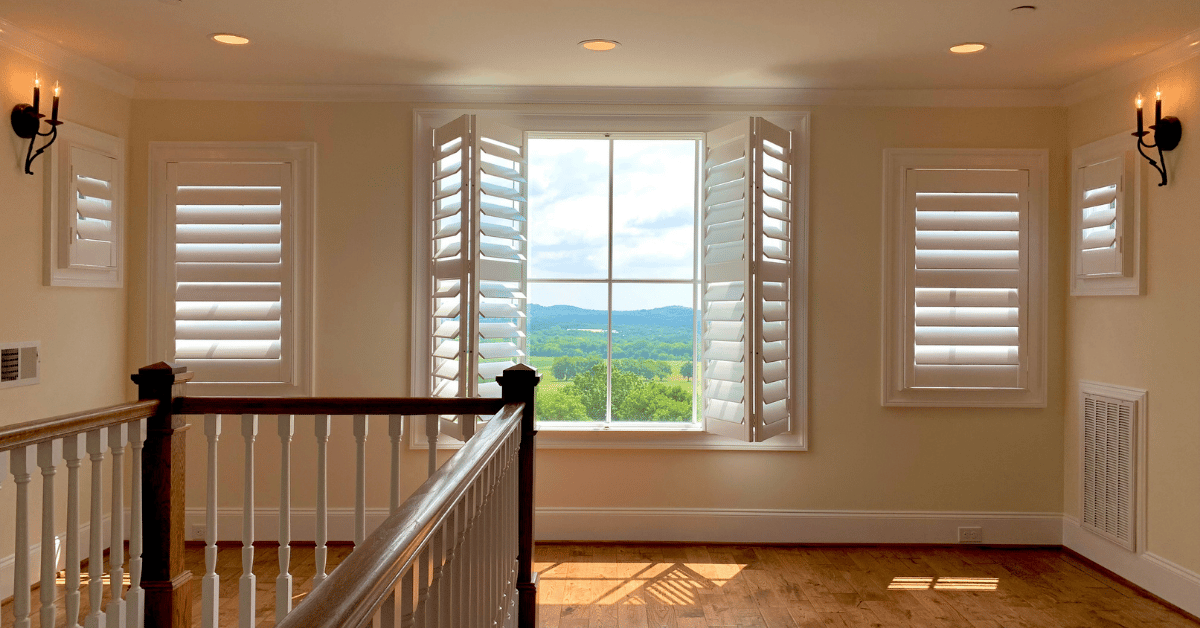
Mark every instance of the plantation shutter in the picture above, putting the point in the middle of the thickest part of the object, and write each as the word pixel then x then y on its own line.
pixel 233 267
pixel 479 250
pixel 91 213
pixel 968 278
pixel 747 266
pixel 1104 208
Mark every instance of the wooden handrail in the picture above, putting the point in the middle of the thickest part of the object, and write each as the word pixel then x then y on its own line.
pixel 42 430
pixel 349 597
pixel 407 406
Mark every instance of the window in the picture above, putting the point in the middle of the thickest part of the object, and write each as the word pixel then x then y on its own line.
pixel 233 274
pixel 964 278
pixel 87 207
pixel 646 274
pixel 1106 219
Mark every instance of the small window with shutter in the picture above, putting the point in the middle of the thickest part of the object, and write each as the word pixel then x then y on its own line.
pixel 86 201
pixel 1105 219
pixel 234 275
pixel 964 304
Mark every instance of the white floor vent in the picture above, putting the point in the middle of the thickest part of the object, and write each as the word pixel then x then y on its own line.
pixel 1113 423
pixel 19 364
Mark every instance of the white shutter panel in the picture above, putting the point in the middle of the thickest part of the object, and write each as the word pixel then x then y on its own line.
pixel 233 267
pixel 91 214
pixel 479 243
pixel 1103 207
pixel 746 255
pixel 967 278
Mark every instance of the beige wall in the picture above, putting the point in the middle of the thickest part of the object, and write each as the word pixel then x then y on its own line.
pixel 862 457
pixel 1151 341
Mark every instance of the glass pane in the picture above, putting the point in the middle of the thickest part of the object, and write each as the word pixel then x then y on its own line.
pixel 568 344
pixel 568 208
pixel 654 209
pixel 653 352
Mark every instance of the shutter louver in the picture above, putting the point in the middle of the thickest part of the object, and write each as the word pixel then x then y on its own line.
pixel 1108 468
pixel 232 262
pixel 1103 208
pixel 967 278
pixel 746 256
pixel 90 211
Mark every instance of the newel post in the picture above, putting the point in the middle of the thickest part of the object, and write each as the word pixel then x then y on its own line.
pixel 167 584
pixel 519 384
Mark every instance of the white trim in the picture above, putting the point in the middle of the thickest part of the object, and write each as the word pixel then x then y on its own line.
pixel 160 276
pixel 896 162
pixel 1170 581
pixel 1133 284
pixel 44 52
pixel 1141 451
pixel 595 95
pixel 1133 70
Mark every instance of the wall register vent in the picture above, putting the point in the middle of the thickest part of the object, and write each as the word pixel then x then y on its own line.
pixel 19 364
pixel 1111 438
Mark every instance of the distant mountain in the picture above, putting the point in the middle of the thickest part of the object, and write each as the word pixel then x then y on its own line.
pixel 570 317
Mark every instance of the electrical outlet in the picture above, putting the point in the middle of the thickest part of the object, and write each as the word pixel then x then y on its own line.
pixel 197 532
pixel 970 535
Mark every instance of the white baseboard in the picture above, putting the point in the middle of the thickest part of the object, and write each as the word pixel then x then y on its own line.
pixel 1169 581
pixel 697 525
pixel 8 563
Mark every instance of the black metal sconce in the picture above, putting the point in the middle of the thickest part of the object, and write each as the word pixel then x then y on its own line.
pixel 27 122
pixel 1167 132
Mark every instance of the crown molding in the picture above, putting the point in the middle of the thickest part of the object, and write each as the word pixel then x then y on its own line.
pixel 1134 69
pixel 564 95
pixel 47 53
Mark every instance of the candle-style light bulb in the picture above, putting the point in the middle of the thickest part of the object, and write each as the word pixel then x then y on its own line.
pixel 37 93
pixel 54 108
pixel 1157 106
pixel 1139 114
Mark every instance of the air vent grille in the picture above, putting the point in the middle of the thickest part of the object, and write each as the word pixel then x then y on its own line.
pixel 10 365
pixel 19 364
pixel 1109 467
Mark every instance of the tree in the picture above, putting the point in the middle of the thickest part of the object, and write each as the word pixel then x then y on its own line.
pixel 593 391
pixel 685 369
pixel 656 402
pixel 560 405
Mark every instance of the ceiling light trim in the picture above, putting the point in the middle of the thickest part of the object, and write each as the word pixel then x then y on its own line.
pixel 47 53
pixel 1133 70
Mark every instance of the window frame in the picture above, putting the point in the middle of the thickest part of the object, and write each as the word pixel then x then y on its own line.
pixel 643 436
pixel 895 258
pixel 1133 234
pixel 160 257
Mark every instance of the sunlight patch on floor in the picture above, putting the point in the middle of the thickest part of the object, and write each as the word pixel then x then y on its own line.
pixel 677 584
pixel 918 583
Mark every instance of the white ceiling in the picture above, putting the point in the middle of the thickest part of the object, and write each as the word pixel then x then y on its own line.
pixel 839 44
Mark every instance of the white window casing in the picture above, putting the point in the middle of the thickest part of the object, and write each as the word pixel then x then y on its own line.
pixel 232 278
pixel 1106 222
pixel 488 195
pixel 86 206
pixel 964 285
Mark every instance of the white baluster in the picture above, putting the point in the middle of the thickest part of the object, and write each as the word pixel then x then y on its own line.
pixel 211 585
pixel 115 612
pixel 360 479
pixel 97 441
pixel 432 425
pixel 21 465
pixel 49 454
pixel 407 599
pixel 136 598
pixel 283 584
pixel 433 608
pixel 321 552
pixel 423 575
pixel 74 448
pixel 396 433
pixel 247 613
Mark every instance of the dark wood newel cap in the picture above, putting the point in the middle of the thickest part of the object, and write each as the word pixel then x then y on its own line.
pixel 156 372
pixel 518 372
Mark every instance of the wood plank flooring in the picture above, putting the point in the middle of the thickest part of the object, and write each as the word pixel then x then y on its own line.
pixel 703 586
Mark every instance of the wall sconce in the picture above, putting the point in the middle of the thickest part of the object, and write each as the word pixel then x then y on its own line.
pixel 1167 132
pixel 27 122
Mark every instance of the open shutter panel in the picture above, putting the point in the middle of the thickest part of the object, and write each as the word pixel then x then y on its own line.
pixel 451 281
pixel 968 278
pixel 500 253
pixel 91 214
pixel 232 264
pixel 772 214
pixel 725 338
pixel 1103 207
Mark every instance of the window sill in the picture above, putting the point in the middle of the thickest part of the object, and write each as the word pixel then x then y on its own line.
pixel 639 436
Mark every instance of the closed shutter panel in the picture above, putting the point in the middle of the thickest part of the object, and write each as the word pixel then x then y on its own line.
pixel 746 256
pixel 91 210
pixel 233 268
pixel 1103 208
pixel 967 278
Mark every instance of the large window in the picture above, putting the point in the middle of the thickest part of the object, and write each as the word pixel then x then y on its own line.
pixel 650 276
pixel 964 305
pixel 233 273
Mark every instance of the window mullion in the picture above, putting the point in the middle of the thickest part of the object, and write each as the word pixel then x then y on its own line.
pixel 608 404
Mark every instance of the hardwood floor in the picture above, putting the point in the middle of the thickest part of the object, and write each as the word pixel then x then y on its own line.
pixel 702 586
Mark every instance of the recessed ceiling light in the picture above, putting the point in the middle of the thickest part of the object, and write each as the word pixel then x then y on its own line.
pixel 599 45
pixel 232 40
pixel 963 49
